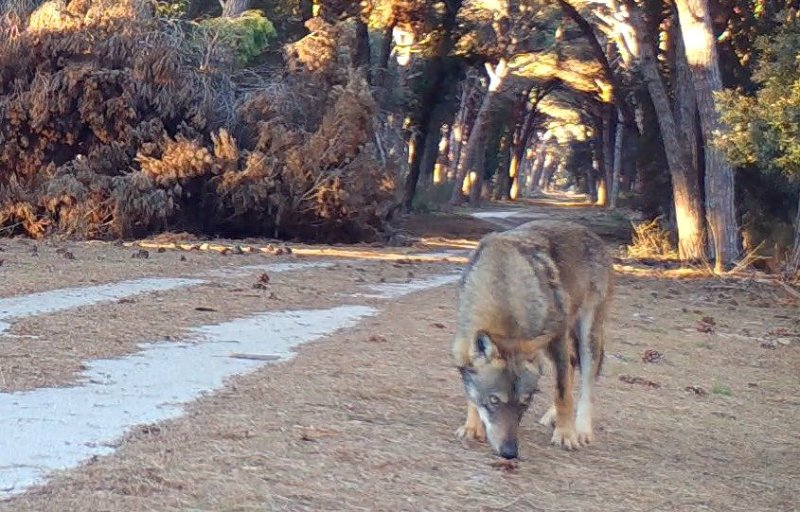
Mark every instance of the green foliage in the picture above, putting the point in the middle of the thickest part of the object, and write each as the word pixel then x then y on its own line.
pixel 248 35
pixel 171 8
pixel 764 129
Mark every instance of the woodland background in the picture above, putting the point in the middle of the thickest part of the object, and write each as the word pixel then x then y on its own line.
pixel 325 120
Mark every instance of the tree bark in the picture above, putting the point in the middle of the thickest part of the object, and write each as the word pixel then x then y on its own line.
pixel 685 188
pixel 233 8
pixel 701 54
pixel 615 175
pixel 685 108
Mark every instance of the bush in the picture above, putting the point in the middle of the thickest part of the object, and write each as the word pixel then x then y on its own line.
pixel 116 123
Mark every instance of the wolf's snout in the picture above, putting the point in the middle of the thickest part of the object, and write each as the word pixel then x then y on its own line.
pixel 508 450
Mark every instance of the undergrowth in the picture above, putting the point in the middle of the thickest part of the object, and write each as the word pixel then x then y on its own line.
pixel 115 122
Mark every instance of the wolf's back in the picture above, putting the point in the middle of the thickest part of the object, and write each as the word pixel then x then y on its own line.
pixel 527 282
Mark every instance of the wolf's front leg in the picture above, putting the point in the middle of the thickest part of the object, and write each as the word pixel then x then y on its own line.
pixel 473 428
pixel 564 433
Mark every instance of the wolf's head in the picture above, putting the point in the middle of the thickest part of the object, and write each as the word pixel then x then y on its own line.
pixel 501 386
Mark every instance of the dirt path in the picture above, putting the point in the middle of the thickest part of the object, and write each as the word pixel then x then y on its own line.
pixel 362 418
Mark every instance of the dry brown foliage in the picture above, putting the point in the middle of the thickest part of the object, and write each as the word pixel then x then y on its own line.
pixel 113 124
pixel 651 240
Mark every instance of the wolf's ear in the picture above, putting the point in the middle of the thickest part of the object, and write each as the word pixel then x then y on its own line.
pixel 484 346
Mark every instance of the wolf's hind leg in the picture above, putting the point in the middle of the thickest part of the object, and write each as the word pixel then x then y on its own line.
pixel 473 428
pixel 564 433
pixel 586 342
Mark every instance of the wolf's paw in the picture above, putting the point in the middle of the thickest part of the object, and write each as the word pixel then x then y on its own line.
pixel 548 419
pixel 583 425
pixel 585 437
pixel 472 432
pixel 565 437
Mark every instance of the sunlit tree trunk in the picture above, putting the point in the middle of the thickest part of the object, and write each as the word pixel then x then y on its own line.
pixel 701 54
pixel 477 138
pixel 685 188
pixel 442 161
pixel 522 143
pixel 470 95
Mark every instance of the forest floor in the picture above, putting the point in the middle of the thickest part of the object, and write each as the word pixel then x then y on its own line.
pixel 697 409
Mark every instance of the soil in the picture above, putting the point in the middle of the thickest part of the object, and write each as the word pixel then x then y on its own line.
pixel 697 408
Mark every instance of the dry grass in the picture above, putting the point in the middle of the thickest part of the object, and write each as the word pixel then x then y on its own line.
pixel 651 241
pixel 365 422
pixel 115 123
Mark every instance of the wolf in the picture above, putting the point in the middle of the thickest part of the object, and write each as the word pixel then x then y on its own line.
pixel 536 293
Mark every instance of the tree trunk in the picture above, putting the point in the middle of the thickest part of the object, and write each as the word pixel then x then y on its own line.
pixel 615 175
pixel 794 267
pixel 460 134
pixel 477 138
pixel 233 8
pixel 685 108
pixel 701 53
pixel 433 93
pixel 381 70
pixel 442 161
pixel 503 174
pixel 362 56
pixel 306 10
pixel 607 154
pixel 685 189
pixel 537 169
pixel 518 154
pixel 431 154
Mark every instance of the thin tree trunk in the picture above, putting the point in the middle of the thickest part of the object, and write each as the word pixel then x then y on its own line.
pixel 503 173
pixel 443 154
pixel 518 155
pixel 685 189
pixel 381 69
pixel 701 53
pixel 460 134
pixel 615 176
pixel 536 168
pixel 233 8
pixel 795 259
pixel 607 154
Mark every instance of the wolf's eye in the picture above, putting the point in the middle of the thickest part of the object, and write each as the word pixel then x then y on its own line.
pixel 494 400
